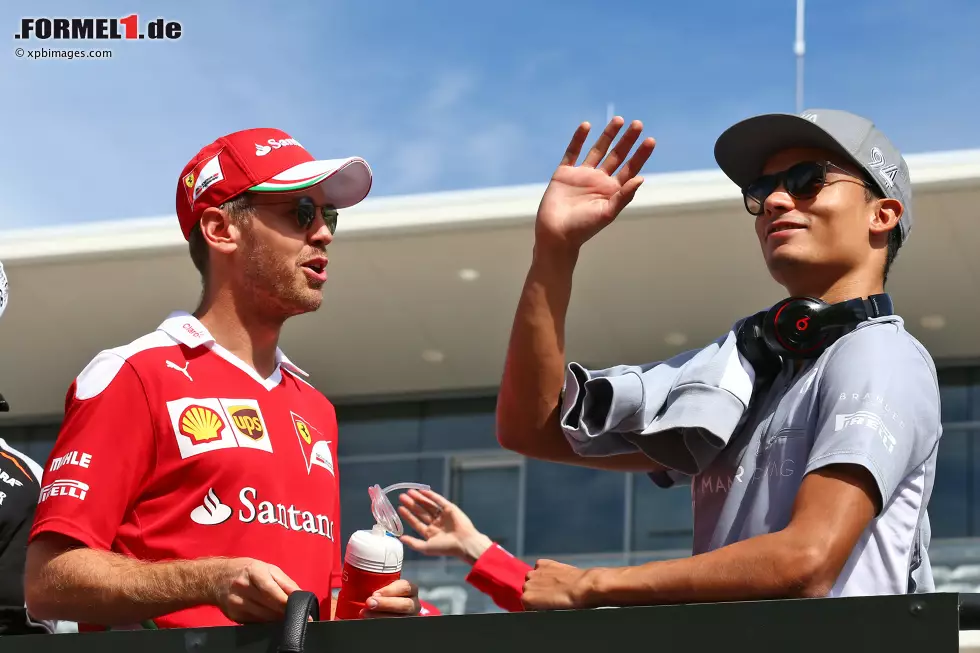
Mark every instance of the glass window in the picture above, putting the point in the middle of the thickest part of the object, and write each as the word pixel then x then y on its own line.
pixel 356 478
pixel 955 394
pixel 42 442
pixel 974 498
pixel 949 507
pixel 39 450
pixel 488 492
pixel 573 509
pixel 378 429
pixel 662 518
pixel 16 437
pixel 452 425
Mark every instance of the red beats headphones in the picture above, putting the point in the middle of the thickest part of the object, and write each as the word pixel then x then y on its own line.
pixel 800 328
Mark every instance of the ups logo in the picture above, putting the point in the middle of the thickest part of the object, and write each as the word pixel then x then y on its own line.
pixel 247 421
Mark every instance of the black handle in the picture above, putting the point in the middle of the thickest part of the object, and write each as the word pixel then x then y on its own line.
pixel 299 608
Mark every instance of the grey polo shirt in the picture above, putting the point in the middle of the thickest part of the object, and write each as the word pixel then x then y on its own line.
pixel 871 399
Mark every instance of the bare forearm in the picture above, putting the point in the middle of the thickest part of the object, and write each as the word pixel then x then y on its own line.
pixel 104 588
pixel 534 371
pixel 764 567
pixel 534 368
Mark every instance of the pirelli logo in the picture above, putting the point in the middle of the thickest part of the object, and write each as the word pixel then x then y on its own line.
pixel 65 487
pixel 870 421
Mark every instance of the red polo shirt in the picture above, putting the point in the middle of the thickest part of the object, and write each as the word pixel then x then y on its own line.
pixel 173 448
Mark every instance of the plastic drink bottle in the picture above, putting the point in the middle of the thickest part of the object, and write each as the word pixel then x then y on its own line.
pixel 374 557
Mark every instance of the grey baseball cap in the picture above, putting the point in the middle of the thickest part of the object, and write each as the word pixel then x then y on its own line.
pixel 743 149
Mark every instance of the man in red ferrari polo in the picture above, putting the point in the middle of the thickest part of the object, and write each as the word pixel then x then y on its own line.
pixel 194 480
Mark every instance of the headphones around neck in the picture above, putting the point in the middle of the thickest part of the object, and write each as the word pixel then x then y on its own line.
pixel 797 328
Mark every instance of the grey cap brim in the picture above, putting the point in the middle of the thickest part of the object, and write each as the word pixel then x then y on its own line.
pixel 743 149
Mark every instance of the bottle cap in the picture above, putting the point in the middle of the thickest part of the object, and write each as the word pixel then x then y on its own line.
pixel 384 513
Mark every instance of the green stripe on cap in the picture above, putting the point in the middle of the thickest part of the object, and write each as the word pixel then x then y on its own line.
pixel 274 187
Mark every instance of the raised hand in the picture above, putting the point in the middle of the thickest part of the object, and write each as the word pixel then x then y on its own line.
pixel 581 200
pixel 446 529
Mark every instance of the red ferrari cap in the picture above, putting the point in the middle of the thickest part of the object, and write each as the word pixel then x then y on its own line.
pixel 263 161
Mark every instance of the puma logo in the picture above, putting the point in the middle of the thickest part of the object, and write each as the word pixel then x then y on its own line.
pixel 182 370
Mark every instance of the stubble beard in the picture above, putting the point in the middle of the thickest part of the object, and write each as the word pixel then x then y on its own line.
pixel 278 287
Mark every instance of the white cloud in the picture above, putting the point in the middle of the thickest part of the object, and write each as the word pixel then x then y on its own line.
pixel 449 90
pixel 417 164
pixel 493 151
pixel 452 134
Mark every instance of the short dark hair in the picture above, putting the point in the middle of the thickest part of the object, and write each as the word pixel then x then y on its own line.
pixel 872 193
pixel 239 209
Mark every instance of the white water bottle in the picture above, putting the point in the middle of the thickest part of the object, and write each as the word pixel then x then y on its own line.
pixel 373 558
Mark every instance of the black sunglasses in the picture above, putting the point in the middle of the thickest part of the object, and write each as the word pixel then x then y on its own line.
pixel 802 181
pixel 305 210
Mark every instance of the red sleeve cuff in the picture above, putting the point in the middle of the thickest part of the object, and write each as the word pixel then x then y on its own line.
pixel 500 575
pixel 63 525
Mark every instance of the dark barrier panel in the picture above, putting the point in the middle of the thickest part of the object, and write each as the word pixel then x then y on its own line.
pixel 894 624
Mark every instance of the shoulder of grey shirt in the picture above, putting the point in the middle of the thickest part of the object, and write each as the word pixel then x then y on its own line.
pixel 877 404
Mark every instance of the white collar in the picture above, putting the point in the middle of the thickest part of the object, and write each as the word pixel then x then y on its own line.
pixel 188 330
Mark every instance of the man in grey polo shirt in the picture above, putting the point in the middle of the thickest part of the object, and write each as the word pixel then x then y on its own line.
pixel 808 433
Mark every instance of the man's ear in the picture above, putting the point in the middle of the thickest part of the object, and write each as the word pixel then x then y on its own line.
pixel 219 231
pixel 885 216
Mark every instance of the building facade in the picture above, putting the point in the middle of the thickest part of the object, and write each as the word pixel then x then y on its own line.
pixel 418 310
pixel 589 517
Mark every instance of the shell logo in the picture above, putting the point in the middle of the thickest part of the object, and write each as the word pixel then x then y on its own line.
pixel 201 424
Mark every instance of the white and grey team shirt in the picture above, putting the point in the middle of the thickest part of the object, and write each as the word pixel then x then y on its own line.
pixel 871 399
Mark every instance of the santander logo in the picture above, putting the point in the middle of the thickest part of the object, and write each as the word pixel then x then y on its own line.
pixel 275 144
pixel 212 512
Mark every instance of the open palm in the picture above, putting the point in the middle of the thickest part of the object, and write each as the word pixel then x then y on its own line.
pixel 581 200
pixel 443 526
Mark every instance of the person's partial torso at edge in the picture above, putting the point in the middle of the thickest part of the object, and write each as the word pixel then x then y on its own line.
pixel 20 485
pixel 201 440
pixel 20 480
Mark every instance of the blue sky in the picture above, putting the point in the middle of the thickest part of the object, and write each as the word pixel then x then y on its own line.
pixel 441 95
